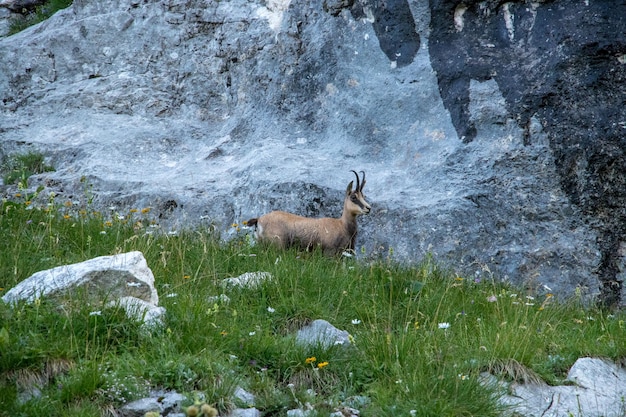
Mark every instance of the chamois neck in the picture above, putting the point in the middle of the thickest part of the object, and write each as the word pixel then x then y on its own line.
pixel 348 221
pixel 348 217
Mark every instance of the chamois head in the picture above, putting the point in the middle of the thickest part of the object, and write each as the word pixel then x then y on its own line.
pixel 355 202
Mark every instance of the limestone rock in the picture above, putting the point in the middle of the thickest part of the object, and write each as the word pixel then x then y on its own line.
pixel 247 280
pixel 103 278
pixel 245 412
pixel 297 412
pixel 19 5
pixel 599 390
pixel 244 396
pixel 141 310
pixel 322 333
pixel 164 402
pixel 491 132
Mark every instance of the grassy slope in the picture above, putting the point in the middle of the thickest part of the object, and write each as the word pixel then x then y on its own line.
pixel 38 15
pixel 421 335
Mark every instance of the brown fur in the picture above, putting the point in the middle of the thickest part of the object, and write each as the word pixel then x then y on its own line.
pixel 331 235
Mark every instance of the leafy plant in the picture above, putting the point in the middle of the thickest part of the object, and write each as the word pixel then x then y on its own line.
pixel 18 168
pixel 38 15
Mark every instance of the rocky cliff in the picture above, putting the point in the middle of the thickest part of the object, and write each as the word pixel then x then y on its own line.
pixel 493 134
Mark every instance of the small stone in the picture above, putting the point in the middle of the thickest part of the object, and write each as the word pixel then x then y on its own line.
pixel 244 396
pixel 322 333
pixel 248 280
pixel 245 412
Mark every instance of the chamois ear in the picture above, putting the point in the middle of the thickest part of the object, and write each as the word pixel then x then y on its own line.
pixel 349 189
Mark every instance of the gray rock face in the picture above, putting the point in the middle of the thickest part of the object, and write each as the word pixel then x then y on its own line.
pixel 227 110
pixel 556 63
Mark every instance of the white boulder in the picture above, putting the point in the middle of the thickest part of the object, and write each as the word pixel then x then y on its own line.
pixel 106 278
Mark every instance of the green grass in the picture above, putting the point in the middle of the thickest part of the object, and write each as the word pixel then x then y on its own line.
pixel 18 168
pixel 422 335
pixel 38 15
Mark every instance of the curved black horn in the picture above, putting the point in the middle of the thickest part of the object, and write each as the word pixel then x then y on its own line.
pixel 358 182
pixel 362 182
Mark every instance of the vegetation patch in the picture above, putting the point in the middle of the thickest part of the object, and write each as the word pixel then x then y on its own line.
pixel 420 335
pixel 37 15
pixel 16 169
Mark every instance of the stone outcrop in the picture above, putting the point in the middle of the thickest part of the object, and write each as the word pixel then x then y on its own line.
pixel 105 277
pixel 124 280
pixel 491 132
pixel 556 65
pixel 597 389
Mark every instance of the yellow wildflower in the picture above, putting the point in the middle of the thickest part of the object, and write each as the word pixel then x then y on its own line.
pixel 145 210
pixel 322 364
pixel 310 360
pixel 208 411
pixel 192 411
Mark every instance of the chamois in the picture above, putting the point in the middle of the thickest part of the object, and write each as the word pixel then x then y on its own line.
pixel 333 236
